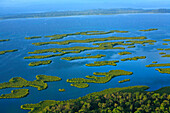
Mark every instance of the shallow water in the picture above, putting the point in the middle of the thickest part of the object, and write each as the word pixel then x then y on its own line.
pixel 13 64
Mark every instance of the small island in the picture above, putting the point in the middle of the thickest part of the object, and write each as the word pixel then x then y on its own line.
pixel 124 53
pixel 80 85
pixel 97 79
pixel 79 57
pixel 103 63
pixel 40 83
pixel 38 63
pixel 33 37
pixel 62 90
pixel 134 58
pixel 161 53
pixel 164 43
pixel 4 40
pixel 18 93
pixel 163 70
pixel 168 55
pixel 125 80
pixel 131 46
pixel 7 51
pixel 166 39
pixel 154 62
pixel 153 29
pixel 158 65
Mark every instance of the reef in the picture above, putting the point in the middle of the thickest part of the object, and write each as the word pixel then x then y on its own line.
pixel 158 65
pixel 124 53
pixel 80 57
pixel 39 83
pixel 103 63
pixel 86 40
pixel 38 63
pixel 7 51
pixel 80 85
pixel 149 29
pixel 18 93
pixel 62 90
pixel 60 36
pixel 33 37
pixel 4 40
pixel 163 70
pixel 125 80
pixel 134 58
pixel 97 79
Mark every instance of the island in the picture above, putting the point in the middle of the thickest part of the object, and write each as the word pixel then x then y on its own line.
pixel 62 90
pixel 158 65
pixel 168 55
pixel 103 63
pixel 124 53
pixel 134 58
pixel 80 57
pixel 161 53
pixel 153 29
pixel 163 70
pixel 80 85
pixel 39 83
pixel 97 79
pixel 7 51
pixel 4 40
pixel 131 46
pixel 38 63
pixel 109 100
pixel 154 62
pixel 18 93
pixel 33 37
pixel 164 43
pixel 166 39
pixel 125 80
pixel 90 40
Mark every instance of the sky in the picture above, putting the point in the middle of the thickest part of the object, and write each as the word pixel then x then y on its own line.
pixel 32 6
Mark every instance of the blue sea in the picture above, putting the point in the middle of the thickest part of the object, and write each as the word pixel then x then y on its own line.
pixel 14 64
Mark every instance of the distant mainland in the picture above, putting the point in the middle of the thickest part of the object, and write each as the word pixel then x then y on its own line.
pixel 85 12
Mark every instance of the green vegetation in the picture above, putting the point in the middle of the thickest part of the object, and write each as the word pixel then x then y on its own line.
pixel 103 63
pixel 125 80
pixel 4 40
pixel 33 37
pixel 60 36
pixel 168 55
pixel 164 43
pixel 163 49
pixel 141 42
pixel 117 100
pixel 131 46
pixel 163 70
pixel 79 57
pixel 80 85
pixel 19 82
pixel 155 62
pixel 158 65
pixel 166 39
pixel 18 93
pixel 76 49
pixel 7 51
pixel 96 79
pixel 45 62
pixel 161 53
pixel 134 58
pixel 86 40
pixel 62 90
pixel 149 29
pixel 124 53
pixel 160 49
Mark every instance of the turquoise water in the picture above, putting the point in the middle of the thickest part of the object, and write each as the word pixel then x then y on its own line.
pixel 13 64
